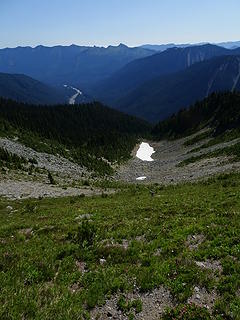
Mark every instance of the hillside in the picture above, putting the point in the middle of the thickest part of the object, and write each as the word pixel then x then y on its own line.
pixel 129 255
pixel 220 112
pixel 74 65
pixel 194 143
pixel 142 70
pixel 89 248
pixel 92 135
pixel 163 96
pixel 25 89
pixel 119 160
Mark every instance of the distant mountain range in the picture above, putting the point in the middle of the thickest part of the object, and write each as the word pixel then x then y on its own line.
pixel 140 81
pixel 75 65
pixel 165 95
pixel 113 90
pixel 230 44
pixel 163 47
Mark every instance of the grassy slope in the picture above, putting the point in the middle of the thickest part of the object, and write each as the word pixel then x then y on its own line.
pixel 218 114
pixel 233 152
pixel 37 270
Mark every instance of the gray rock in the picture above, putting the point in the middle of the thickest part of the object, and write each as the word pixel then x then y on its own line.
pixel 102 261
pixel 165 170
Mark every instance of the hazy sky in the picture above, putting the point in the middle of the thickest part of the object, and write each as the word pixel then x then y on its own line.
pixel 104 22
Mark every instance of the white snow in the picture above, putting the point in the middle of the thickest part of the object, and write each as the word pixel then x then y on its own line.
pixel 141 178
pixel 145 152
pixel 74 97
pixel 235 81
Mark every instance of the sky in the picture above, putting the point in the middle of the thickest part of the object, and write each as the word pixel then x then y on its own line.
pixel 110 22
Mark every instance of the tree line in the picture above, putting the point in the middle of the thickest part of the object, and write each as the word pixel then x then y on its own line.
pixel 94 135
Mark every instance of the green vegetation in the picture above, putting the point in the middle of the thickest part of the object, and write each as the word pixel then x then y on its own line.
pixel 50 246
pixel 60 258
pixel 20 87
pixel 187 312
pixel 127 306
pixel 13 161
pixel 50 178
pixel 219 115
pixel 199 137
pixel 232 151
pixel 220 111
pixel 224 137
pixel 91 135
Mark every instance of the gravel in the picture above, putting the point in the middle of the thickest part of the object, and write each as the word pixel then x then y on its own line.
pixel 213 265
pixel 194 241
pixel 29 189
pixel 153 305
pixel 204 299
pixel 20 185
pixel 46 161
pixel 168 155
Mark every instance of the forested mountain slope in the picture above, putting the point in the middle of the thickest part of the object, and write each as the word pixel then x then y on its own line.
pixel 159 98
pixel 25 89
pixel 142 70
pixel 219 111
pixel 91 134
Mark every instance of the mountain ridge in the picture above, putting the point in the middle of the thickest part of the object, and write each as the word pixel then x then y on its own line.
pixel 138 72
pixel 162 47
pixel 219 111
pixel 80 66
pixel 22 88
pixel 162 96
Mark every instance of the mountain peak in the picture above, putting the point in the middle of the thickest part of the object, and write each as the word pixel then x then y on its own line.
pixel 122 45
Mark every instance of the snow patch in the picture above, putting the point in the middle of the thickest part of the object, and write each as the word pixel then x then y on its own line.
pixel 141 178
pixel 235 81
pixel 74 97
pixel 145 152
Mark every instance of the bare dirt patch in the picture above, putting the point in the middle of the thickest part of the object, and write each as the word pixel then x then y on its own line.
pixel 194 241
pixel 26 232
pixel 13 190
pixel 110 243
pixel 75 288
pixel 202 298
pixel 213 265
pixel 81 266
pixel 153 305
